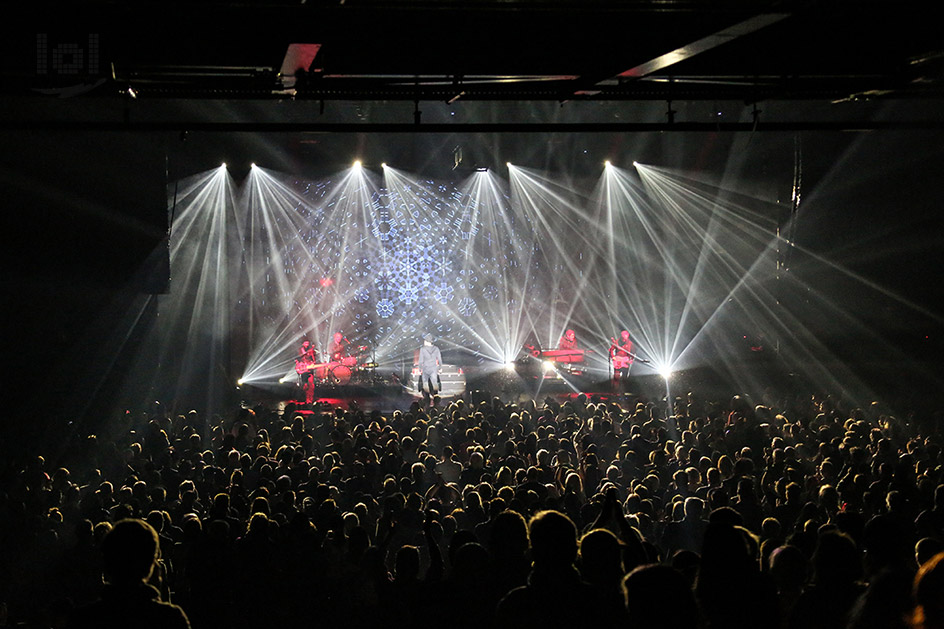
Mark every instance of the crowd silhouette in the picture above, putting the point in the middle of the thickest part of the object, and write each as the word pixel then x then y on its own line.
pixel 477 512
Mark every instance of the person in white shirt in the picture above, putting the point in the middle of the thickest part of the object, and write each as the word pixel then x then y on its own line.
pixel 430 364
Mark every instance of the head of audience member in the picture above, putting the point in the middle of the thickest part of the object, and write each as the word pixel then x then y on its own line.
pixel 129 552
pixel 553 541
pixel 659 596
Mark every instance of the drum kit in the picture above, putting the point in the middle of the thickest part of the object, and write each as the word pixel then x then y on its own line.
pixel 355 368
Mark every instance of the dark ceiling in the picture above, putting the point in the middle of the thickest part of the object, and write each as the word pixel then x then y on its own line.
pixel 478 50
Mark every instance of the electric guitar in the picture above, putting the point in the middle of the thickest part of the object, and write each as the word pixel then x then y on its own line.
pixel 303 366
pixel 621 357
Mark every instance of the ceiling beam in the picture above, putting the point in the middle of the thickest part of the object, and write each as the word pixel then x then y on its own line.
pixel 724 36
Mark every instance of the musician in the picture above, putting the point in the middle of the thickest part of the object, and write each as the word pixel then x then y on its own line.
pixel 304 366
pixel 430 364
pixel 621 355
pixel 307 352
pixel 338 347
pixel 568 341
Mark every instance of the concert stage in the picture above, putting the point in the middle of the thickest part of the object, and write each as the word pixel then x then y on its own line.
pixel 762 377
pixel 389 392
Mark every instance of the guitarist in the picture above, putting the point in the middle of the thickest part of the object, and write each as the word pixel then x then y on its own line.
pixel 621 355
pixel 305 367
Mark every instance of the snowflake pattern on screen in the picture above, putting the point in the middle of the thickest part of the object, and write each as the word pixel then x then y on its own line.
pixel 467 307
pixel 409 292
pixel 444 293
pixel 385 308
pixel 409 256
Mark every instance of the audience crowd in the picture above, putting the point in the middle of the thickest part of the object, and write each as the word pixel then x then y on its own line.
pixel 474 512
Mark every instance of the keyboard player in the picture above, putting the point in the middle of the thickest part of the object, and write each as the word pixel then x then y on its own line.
pixel 568 340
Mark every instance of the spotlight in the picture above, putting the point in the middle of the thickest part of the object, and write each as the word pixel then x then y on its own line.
pixel 635 163
pixel 508 164
pixel 252 165
pixel 482 169
pixel 383 164
pixel 239 382
pixel 665 371
pixel 357 163
pixel 283 379
pixel 549 366
pixel 606 164
pixel 223 165
pixel 509 365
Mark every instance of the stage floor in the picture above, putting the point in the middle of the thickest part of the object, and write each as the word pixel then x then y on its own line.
pixel 758 377
pixel 387 398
